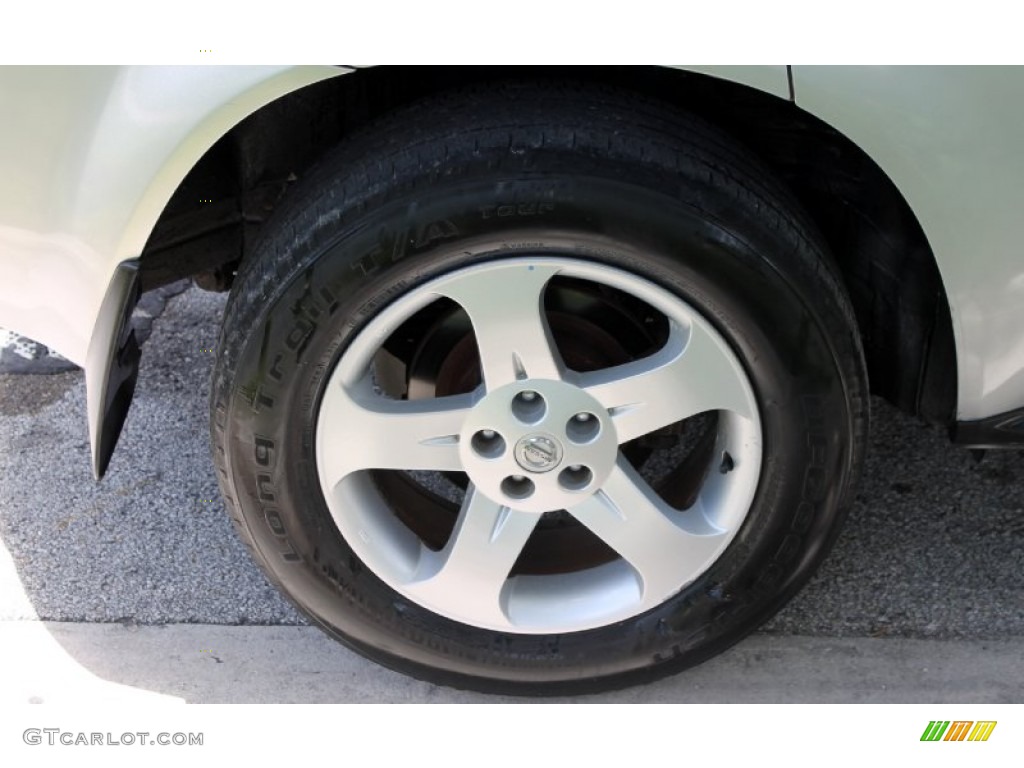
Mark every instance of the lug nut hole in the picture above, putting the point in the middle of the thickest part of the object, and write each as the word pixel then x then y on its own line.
pixel 517 487
pixel 575 478
pixel 488 444
pixel 584 427
pixel 529 407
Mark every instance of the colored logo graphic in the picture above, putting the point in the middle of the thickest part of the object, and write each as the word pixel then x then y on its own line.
pixel 958 730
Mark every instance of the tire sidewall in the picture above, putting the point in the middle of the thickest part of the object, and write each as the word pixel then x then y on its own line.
pixel 704 248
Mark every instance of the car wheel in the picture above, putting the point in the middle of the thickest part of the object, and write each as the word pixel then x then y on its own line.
pixel 538 389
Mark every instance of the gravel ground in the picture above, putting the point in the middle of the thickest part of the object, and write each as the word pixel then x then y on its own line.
pixel 933 547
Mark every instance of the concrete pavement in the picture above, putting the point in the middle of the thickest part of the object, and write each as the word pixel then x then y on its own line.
pixel 201 663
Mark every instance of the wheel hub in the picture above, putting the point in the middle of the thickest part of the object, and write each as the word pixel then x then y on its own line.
pixel 538 445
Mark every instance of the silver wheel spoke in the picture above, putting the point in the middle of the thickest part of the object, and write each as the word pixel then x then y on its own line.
pixel 366 431
pixel 630 518
pixel 475 564
pixel 691 374
pixel 506 308
pixel 534 436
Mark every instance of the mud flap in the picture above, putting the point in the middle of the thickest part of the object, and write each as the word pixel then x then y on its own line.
pixel 112 365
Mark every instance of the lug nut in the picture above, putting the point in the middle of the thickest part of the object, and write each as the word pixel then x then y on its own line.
pixel 488 444
pixel 583 428
pixel 575 478
pixel 529 407
pixel 517 487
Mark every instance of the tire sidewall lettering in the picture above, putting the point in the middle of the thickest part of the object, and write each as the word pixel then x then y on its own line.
pixel 352 265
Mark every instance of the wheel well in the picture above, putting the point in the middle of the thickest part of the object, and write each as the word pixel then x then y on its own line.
pixel 886 262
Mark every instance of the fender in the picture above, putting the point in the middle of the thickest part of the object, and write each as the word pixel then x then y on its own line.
pixel 946 152
pixel 91 155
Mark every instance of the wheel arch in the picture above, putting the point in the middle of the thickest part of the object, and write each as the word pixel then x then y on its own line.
pixel 886 261
pixel 106 147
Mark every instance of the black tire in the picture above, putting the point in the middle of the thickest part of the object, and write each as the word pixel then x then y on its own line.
pixel 603 178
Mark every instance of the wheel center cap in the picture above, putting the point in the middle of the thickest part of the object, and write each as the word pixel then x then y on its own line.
pixel 538 453
pixel 536 445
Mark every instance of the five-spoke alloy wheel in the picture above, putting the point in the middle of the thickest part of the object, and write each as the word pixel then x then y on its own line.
pixel 535 438
pixel 538 389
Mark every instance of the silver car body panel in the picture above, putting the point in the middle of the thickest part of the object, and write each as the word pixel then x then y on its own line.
pixel 949 138
pixel 770 79
pixel 91 155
